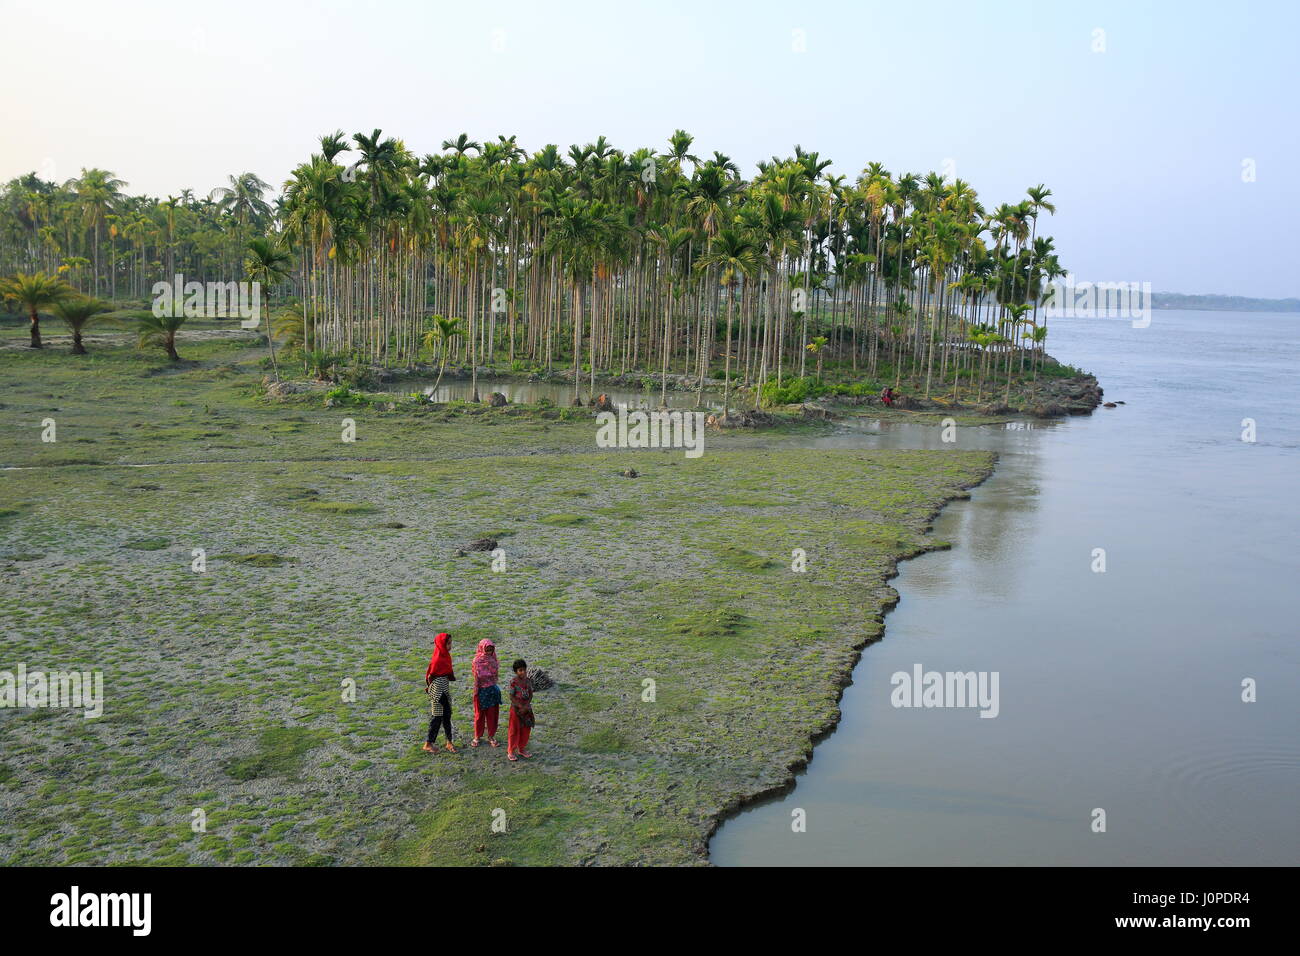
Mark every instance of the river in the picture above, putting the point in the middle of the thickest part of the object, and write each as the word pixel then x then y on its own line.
pixel 1120 690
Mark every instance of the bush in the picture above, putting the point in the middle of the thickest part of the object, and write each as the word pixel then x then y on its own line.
pixel 855 390
pixel 795 390
pixel 320 364
pixel 358 376
pixel 343 395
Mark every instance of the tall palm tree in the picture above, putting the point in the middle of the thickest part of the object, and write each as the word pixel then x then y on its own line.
pixel 777 225
pixel 575 236
pixel 268 265
pixel 1015 319
pixel 461 145
pixel 242 199
pixel 1038 336
pixel 735 256
pixel 818 348
pixel 331 144
pixel 442 333
pixel 98 193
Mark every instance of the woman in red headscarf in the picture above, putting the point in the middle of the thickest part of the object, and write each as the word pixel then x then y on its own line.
pixel 487 695
pixel 436 676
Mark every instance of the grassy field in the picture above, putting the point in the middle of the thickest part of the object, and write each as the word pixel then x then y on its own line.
pixel 333 564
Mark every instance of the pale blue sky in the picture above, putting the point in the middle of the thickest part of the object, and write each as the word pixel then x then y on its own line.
pixel 1142 144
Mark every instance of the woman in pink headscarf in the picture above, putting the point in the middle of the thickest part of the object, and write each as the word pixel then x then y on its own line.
pixel 487 695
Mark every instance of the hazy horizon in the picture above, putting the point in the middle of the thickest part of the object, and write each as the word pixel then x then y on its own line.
pixel 1143 143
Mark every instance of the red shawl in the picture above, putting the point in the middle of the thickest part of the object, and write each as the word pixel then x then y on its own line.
pixel 440 663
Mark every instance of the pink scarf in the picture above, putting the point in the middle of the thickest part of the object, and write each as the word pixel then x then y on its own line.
pixel 486 667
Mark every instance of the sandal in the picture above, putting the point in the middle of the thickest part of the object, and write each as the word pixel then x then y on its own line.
pixel 510 756
pixel 493 742
pixel 474 742
pixel 427 747
pixel 525 754
pixel 449 748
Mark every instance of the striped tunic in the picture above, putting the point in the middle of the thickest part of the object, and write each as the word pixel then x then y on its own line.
pixel 437 690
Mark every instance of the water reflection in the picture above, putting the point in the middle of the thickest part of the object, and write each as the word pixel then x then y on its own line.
pixel 559 394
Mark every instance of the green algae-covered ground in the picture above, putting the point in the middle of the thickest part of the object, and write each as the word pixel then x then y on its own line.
pixel 279 691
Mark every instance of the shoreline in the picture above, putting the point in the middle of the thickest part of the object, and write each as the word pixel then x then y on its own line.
pixel 892 597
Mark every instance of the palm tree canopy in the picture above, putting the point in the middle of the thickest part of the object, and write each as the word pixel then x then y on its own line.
pixel 81 311
pixel 34 292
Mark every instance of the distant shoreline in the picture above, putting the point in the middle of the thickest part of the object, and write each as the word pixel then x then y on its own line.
pixel 1222 303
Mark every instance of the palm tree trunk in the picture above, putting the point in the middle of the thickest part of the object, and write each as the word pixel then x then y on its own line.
pixel 726 373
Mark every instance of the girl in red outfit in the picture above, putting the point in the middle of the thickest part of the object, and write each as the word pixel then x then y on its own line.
pixel 521 711
pixel 436 676
pixel 487 695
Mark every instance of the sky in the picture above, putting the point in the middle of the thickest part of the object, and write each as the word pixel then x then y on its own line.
pixel 1167 131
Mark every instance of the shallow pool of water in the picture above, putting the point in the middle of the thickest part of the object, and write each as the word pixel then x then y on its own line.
pixel 560 394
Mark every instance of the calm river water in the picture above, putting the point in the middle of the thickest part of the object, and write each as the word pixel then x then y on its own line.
pixel 1119 690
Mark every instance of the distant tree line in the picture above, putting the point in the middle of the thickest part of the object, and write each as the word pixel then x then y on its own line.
pixel 1222 303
